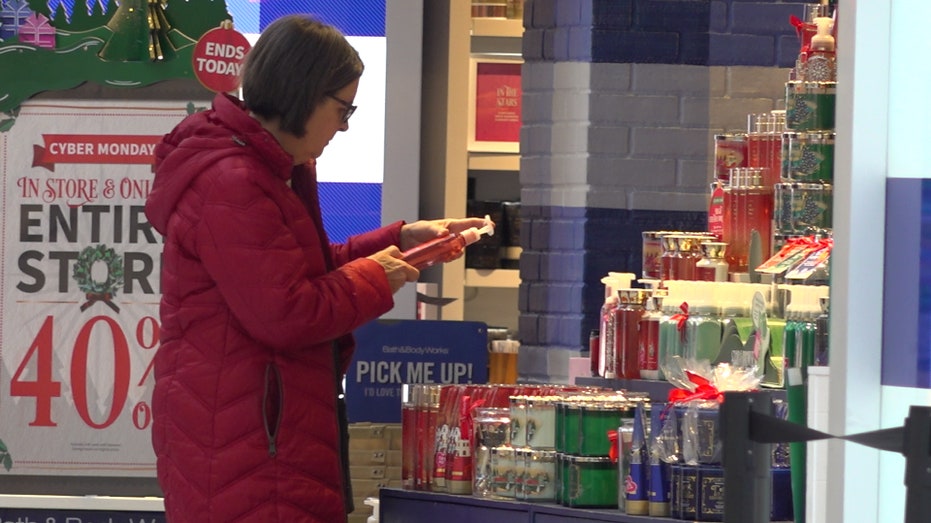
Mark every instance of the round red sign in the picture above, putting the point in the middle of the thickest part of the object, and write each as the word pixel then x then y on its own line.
pixel 217 59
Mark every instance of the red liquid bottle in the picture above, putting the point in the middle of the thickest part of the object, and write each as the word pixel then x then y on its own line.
pixel 409 397
pixel 759 215
pixel 649 339
pixel 446 248
pixel 629 311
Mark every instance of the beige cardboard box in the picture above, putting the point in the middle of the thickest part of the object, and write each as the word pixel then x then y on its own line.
pixel 363 488
pixel 366 430
pixel 393 473
pixel 393 458
pixel 368 457
pixel 367 472
pixel 393 433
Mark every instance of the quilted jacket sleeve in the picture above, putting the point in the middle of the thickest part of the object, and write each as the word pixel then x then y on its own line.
pixel 280 294
pixel 367 243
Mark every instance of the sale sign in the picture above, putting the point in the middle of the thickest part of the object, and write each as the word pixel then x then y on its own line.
pixel 217 59
pixel 79 322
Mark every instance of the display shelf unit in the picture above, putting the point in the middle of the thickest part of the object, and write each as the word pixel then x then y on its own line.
pixel 497 27
pixel 494 162
pixel 405 506
pixel 496 278
pixel 657 389
pixel 446 161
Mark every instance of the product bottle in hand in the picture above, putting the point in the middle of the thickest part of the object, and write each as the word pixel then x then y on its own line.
pixel 446 248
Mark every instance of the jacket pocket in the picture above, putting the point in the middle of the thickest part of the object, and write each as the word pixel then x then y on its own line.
pixel 272 406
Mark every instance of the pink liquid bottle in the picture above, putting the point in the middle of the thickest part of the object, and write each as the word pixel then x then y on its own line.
pixel 755 138
pixel 446 248
pixel 777 127
pixel 759 214
pixel 734 233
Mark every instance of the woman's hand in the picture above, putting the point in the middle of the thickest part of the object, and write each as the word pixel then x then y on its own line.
pixel 413 234
pixel 397 270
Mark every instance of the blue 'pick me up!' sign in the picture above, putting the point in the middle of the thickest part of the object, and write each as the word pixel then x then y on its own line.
pixel 390 353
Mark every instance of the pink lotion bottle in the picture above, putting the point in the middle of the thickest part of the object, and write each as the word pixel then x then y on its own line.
pixel 446 248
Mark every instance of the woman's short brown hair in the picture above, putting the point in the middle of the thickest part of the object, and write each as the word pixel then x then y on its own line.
pixel 296 62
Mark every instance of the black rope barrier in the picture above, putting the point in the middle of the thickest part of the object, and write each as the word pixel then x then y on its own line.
pixel 749 429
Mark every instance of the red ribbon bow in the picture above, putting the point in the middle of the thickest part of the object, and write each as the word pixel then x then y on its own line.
pixel 680 319
pixel 613 452
pixel 704 391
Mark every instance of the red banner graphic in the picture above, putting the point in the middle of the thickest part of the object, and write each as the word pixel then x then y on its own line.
pixel 94 149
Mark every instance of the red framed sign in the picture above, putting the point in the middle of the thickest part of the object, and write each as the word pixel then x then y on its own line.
pixel 494 104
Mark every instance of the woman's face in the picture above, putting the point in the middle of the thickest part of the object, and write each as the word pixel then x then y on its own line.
pixel 327 118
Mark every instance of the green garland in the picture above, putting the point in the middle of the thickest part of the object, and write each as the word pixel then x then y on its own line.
pixel 84 264
pixel 5 458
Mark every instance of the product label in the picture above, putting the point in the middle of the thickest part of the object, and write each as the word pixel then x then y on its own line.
pixel 716 213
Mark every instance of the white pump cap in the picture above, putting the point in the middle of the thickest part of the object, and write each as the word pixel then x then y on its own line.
pixel 823 41
pixel 675 295
pixel 805 301
pixel 474 234
pixel 616 280
pixel 702 297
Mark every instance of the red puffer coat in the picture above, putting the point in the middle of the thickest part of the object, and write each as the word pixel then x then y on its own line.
pixel 254 303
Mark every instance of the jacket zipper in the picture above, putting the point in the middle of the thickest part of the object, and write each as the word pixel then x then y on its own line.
pixel 271 426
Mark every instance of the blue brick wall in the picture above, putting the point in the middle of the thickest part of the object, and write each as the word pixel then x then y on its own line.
pixel 694 32
pixel 567 251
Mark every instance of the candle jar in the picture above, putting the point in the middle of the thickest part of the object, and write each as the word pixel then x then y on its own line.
pixel 686 256
pixel 730 150
pixel 652 254
pixel 668 258
pixel 712 267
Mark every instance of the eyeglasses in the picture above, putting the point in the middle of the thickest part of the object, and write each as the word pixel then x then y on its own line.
pixel 346 105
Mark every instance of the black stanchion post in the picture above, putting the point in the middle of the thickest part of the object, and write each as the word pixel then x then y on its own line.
pixel 917 450
pixel 747 465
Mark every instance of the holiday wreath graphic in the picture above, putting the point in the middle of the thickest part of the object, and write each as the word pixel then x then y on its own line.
pixel 98 291
pixel 5 459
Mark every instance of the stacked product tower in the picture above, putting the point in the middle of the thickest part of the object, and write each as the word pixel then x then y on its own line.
pixel 756 279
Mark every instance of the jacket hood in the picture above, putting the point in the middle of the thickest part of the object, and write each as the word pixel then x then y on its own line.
pixel 200 141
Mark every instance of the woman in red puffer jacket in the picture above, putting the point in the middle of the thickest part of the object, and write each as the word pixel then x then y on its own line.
pixel 257 306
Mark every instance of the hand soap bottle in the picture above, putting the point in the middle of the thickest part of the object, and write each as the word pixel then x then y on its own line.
pixel 822 62
pixel 446 248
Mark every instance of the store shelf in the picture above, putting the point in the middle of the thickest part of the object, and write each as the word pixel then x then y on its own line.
pixel 657 389
pixel 494 162
pixel 499 278
pixel 499 27
pixel 396 506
